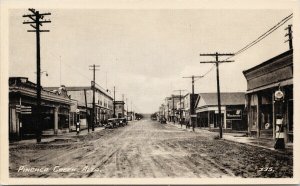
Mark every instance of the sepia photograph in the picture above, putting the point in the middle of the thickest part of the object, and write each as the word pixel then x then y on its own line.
pixel 131 93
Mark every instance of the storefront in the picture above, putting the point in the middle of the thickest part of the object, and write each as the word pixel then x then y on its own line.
pixel 263 81
pixel 54 110
pixel 232 111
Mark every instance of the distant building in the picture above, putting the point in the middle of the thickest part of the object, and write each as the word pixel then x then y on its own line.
pixel 187 105
pixel 232 110
pixel 120 109
pixel 84 96
pixel 161 110
pixel 171 107
pixel 56 107
pixel 179 110
pixel 130 115
pixel 263 81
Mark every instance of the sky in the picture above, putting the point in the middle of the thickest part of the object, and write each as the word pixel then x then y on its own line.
pixel 144 53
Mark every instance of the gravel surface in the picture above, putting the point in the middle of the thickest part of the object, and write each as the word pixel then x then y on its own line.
pixel 146 149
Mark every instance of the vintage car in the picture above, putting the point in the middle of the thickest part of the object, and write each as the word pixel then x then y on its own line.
pixel 112 123
pixel 122 121
pixel 163 120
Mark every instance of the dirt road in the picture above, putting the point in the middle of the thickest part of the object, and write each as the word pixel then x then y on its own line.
pixel 146 149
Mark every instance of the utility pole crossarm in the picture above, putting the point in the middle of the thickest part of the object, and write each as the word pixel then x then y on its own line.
pixel 193 77
pixel 219 54
pixel 39 31
pixel 229 61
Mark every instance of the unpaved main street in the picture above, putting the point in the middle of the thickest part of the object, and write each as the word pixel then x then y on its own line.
pixel 146 149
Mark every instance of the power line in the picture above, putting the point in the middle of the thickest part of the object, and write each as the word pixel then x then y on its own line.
pixel 77 70
pixel 261 37
pixel 271 30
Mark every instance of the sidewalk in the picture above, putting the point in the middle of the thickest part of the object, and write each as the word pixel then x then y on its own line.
pixel 55 137
pixel 239 138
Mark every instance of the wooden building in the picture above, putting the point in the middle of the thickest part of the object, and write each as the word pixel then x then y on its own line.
pixel 232 110
pixel 262 82
pixel 84 97
pixel 55 109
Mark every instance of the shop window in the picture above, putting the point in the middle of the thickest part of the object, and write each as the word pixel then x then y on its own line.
pixel 266 117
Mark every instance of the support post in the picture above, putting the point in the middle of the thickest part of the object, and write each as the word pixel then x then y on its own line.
pixel 55 120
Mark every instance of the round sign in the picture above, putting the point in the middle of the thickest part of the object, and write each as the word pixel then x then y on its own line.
pixel 278 94
pixel 77 110
pixel 267 125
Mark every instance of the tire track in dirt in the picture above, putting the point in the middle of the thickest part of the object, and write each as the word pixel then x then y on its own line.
pixel 141 149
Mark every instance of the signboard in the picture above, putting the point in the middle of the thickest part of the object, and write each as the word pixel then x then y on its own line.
pixel 234 114
pixel 23 109
pixel 193 115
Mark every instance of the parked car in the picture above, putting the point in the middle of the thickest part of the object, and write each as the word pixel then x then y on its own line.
pixel 122 121
pixel 163 120
pixel 111 123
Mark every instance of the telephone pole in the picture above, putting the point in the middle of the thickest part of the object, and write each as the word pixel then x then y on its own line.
pixel 218 81
pixel 290 35
pixel 173 109
pixel 123 106
pixel 192 105
pixel 114 102
pixel 93 68
pixel 37 19
pixel 127 108
pixel 180 113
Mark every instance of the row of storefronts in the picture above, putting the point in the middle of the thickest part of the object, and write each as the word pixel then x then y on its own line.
pixel 55 109
pixel 62 108
pixel 265 110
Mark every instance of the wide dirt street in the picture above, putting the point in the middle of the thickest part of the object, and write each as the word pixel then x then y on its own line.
pixel 148 149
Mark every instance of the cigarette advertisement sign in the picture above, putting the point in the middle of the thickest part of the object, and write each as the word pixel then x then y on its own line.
pixel 234 114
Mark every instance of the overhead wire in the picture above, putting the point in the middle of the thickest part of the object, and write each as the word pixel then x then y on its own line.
pixel 261 37
pixel 78 71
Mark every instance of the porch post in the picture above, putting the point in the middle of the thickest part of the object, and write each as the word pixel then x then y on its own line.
pixel 273 115
pixel 55 120
pixel 258 120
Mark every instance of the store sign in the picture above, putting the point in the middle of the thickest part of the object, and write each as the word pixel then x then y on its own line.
pixel 23 109
pixel 234 114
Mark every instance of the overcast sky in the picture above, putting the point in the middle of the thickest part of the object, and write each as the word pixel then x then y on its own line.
pixel 145 53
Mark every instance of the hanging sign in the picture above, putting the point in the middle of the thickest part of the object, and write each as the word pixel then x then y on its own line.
pixel 23 109
pixel 278 95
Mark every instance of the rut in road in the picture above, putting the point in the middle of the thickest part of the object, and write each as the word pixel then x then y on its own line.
pixel 142 149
